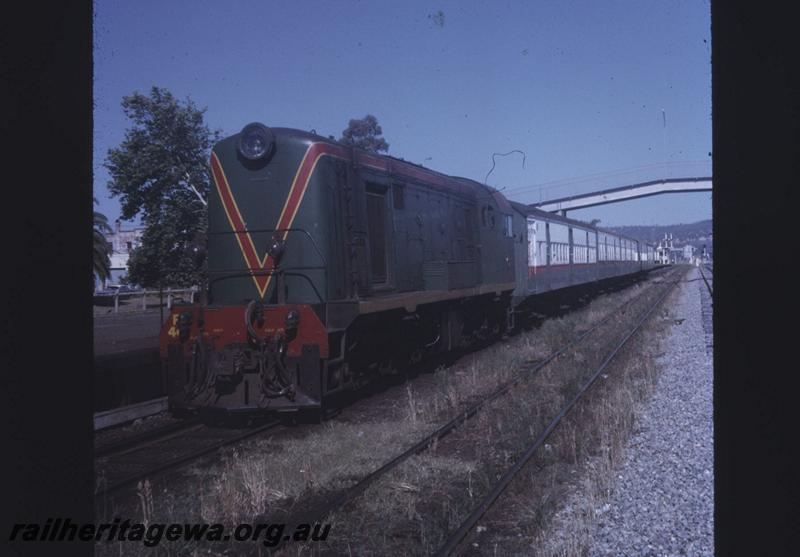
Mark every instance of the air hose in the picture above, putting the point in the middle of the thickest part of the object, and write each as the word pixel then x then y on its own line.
pixel 199 367
pixel 275 381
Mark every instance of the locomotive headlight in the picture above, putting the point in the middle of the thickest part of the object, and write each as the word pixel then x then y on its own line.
pixel 255 141
pixel 276 248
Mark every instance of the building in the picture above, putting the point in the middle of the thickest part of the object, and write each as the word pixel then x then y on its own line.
pixel 664 250
pixel 122 243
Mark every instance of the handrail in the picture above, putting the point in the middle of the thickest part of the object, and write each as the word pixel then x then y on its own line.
pixel 259 230
pixel 251 272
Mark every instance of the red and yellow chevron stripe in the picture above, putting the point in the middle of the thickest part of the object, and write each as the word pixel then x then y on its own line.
pixel 297 191
pixel 288 213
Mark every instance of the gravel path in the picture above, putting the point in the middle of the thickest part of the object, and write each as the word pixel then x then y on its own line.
pixel 663 500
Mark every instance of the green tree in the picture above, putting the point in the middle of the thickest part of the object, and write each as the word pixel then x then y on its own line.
pixel 101 251
pixel 365 134
pixel 160 171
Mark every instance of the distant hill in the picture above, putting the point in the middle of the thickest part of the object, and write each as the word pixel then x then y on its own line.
pixel 696 234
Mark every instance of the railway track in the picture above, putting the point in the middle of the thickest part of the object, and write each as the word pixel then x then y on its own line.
pixel 707 300
pixel 457 536
pixel 132 442
pixel 705 279
pixel 132 461
pixel 431 440
pixel 152 453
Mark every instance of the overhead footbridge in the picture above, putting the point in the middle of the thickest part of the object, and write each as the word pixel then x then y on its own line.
pixel 624 193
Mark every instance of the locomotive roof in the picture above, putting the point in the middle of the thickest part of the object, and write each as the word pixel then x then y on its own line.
pixel 455 183
pixel 499 198
pixel 407 168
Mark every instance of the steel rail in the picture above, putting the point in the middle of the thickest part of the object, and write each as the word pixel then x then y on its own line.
pixel 444 430
pixel 455 539
pixel 135 442
pixel 708 285
pixel 165 466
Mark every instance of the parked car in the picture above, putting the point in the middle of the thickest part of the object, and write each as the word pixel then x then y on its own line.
pixel 106 296
pixel 126 288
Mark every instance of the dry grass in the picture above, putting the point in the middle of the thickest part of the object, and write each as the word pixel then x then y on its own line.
pixel 407 512
pixel 266 478
pixel 585 452
pixel 476 454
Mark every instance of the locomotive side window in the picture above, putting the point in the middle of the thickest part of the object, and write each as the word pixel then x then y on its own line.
pixel 487 216
pixel 376 222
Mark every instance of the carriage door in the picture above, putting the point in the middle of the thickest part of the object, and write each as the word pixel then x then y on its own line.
pixel 533 249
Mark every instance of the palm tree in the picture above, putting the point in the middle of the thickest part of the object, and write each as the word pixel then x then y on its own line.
pixel 101 250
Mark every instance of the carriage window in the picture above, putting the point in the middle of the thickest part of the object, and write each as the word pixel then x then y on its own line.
pixel 376 222
pixel 509 231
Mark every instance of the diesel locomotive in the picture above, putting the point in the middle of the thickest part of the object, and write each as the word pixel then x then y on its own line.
pixel 328 265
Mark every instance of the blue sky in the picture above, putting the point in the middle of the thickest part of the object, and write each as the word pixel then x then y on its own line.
pixel 583 88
